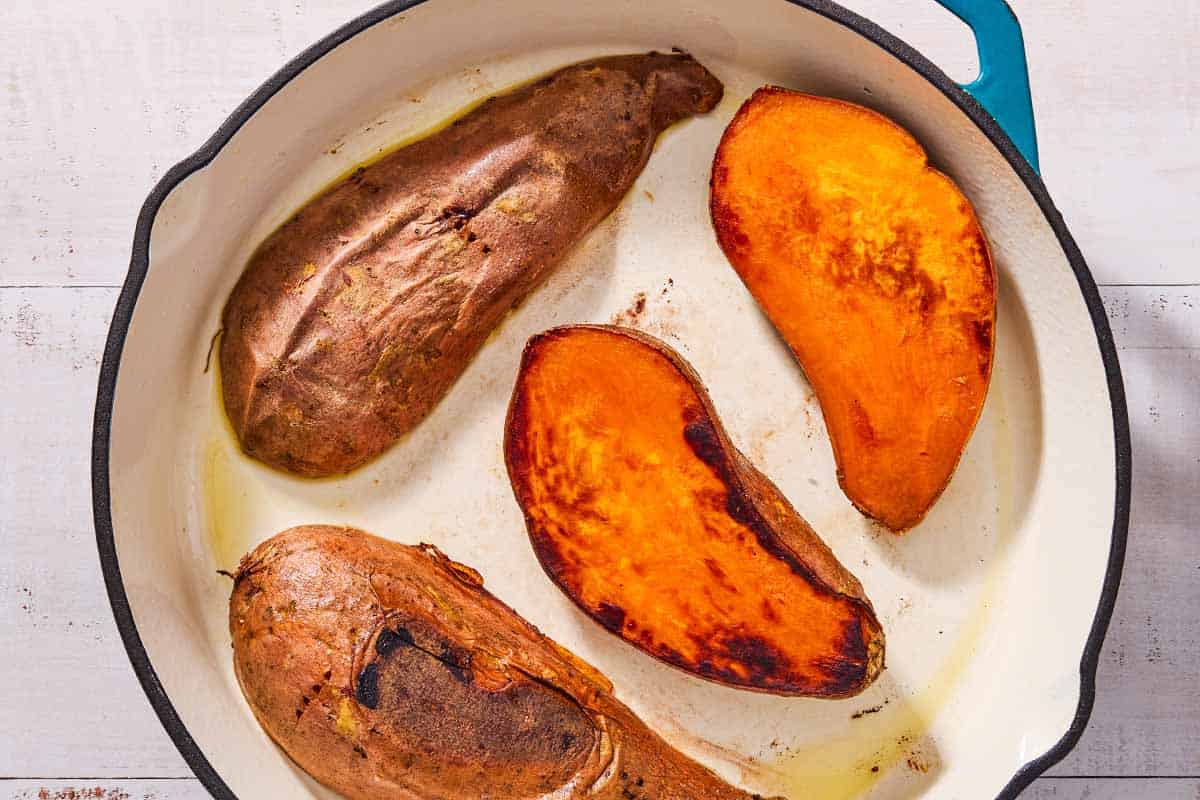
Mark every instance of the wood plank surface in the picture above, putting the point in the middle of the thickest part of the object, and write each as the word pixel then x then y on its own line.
pixel 1147 717
pixel 190 789
pixel 101 98
pixel 1112 789
pixel 71 704
pixel 101 789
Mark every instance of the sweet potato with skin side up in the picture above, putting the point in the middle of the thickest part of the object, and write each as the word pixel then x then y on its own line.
pixel 873 267
pixel 643 512
pixel 353 319
pixel 387 672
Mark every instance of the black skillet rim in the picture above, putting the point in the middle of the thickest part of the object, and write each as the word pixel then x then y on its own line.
pixel 139 264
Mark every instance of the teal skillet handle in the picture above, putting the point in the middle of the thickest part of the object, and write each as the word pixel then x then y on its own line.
pixel 1002 87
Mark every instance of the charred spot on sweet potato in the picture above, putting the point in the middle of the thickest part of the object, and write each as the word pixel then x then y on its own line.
pixel 875 271
pixel 610 616
pixel 391 638
pixel 526 722
pixel 641 510
pixel 413 681
pixel 366 689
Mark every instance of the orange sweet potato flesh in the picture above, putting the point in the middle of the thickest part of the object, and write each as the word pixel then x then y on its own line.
pixel 643 512
pixel 388 672
pixel 873 267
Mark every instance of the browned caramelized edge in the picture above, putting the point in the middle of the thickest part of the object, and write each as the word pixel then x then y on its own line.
pixel 709 441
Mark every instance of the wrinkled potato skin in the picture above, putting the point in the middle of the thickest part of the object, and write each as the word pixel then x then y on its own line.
pixel 388 672
pixel 353 319
pixel 641 509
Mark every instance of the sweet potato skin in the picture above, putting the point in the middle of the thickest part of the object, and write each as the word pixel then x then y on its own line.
pixel 642 511
pixel 874 269
pixel 388 672
pixel 353 319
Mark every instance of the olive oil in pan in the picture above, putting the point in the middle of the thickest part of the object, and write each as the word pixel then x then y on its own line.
pixel 231 493
pixel 897 736
pixel 246 502
pixel 242 498
pixel 241 502
pixel 238 491
pixel 225 506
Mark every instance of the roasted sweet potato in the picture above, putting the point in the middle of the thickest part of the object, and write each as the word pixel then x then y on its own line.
pixel 873 267
pixel 353 319
pixel 643 512
pixel 387 672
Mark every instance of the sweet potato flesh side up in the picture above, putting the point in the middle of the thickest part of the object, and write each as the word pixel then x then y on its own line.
pixel 874 268
pixel 640 509
pixel 388 672
pixel 353 319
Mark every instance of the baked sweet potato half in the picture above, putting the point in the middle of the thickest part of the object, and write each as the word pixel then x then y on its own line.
pixel 387 672
pixel 645 514
pixel 353 319
pixel 873 267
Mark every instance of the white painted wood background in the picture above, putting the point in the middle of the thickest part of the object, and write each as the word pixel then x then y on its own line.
pixel 100 97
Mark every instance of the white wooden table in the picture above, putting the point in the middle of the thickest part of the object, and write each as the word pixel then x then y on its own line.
pixel 98 99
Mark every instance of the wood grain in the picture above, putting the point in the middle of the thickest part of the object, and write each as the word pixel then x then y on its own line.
pixel 80 711
pixel 1147 716
pixel 191 789
pixel 104 789
pixel 99 101
pixel 1113 789
pixel 98 107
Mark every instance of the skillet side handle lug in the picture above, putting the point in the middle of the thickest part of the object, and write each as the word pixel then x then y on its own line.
pixel 1002 87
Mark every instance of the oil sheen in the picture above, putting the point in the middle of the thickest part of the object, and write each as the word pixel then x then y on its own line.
pixel 241 499
pixel 898 737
